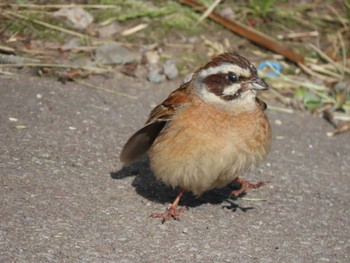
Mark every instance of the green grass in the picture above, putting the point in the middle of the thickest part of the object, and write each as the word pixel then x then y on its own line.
pixel 261 7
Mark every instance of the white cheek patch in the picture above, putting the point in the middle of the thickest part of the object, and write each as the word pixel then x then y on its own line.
pixel 225 68
pixel 231 90
pixel 211 97
pixel 245 103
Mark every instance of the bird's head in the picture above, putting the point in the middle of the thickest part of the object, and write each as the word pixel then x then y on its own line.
pixel 230 81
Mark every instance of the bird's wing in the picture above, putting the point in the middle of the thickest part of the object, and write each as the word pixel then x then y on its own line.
pixel 141 141
pixel 166 110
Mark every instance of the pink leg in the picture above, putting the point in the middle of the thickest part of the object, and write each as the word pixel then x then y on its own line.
pixel 172 211
pixel 245 185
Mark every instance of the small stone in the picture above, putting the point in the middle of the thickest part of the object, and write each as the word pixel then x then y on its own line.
pixel 170 69
pixel 152 57
pixel 192 40
pixel 115 54
pixel 20 127
pixel 109 30
pixel 228 13
pixel 28 218
pixel 155 77
pixel 278 122
pixel 77 16
pixel 71 44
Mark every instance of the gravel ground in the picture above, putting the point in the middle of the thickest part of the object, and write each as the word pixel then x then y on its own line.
pixel 65 199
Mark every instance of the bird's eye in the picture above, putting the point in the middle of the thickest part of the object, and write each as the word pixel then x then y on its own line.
pixel 232 77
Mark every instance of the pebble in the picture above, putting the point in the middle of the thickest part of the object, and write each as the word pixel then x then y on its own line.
pixel 152 57
pixel 192 40
pixel 109 30
pixel 115 54
pixel 170 69
pixel 278 122
pixel 77 16
pixel 228 13
pixel 70 44
pixel 155 77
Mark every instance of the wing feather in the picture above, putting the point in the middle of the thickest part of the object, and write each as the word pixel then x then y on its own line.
pixel 142 140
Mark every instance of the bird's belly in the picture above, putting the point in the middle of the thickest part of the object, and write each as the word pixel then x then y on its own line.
pixel 198 158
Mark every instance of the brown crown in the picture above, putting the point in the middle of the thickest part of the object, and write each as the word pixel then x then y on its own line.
pixel 229 57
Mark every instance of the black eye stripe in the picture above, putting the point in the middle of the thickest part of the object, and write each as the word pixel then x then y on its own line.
pixel 218 82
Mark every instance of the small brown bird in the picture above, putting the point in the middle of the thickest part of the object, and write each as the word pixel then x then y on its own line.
pixel 207 132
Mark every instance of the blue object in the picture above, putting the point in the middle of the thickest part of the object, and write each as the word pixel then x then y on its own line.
pixel 268 66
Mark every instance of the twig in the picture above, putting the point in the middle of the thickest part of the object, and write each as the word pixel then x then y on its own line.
pixel 341 116
pixel 279 109
pixel 7 73
pixel 296 82
pixel 133 30
pixel 253 199
pixel 343 51
pixel 63 30
pixel 106 90
pixel 33 6
pixel 218 47
pixel 344 127
pixel 176 45
pixel 93 69
pixel 338 16
pixel 320 69
pixel 248 33
pixel 299 35
pixel 328 18
pixel 209 10
pixel 7 49
pixel 327 58
pixel 309 71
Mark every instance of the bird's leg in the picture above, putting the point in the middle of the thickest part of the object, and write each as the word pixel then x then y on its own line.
pixel 172 211
pixel 245 185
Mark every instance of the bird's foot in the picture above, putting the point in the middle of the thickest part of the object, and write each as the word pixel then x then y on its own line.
pixel 172 212
pixel 245 186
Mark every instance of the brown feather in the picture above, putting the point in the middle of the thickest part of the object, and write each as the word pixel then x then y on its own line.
pixel 141 141
pixel 167 109
pixel 231 58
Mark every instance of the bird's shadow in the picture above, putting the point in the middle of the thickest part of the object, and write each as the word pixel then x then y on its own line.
pixel 149 187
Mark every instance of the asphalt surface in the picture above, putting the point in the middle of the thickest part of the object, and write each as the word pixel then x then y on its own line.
pixel 65 198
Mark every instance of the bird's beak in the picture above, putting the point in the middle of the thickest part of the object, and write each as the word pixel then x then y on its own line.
pixel 259 84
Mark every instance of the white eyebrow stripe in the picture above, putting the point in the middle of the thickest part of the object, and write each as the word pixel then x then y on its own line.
pixel 225 68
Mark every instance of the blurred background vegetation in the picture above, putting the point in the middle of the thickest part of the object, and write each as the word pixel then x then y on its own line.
pixel 316 30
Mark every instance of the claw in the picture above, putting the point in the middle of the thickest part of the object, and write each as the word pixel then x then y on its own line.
pixel 245 185
pixel 172 211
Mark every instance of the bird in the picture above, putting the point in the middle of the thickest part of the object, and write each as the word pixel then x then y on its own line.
pixel 208 132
